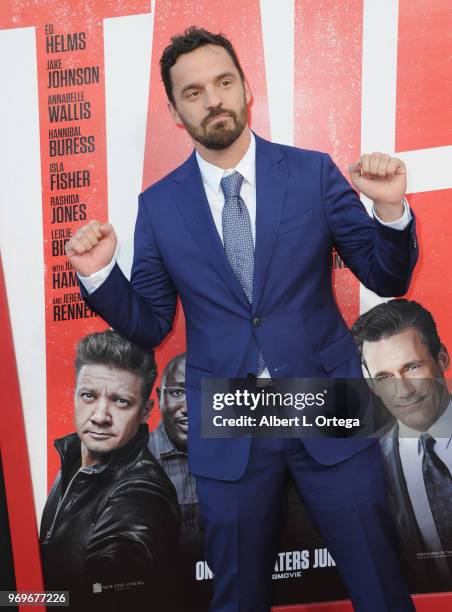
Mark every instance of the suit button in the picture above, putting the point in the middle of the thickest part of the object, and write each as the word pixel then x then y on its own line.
pixel 251 376
pixel 257 321
pixel 413 243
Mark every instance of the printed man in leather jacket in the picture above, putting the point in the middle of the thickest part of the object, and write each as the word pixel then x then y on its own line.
pixel 110 525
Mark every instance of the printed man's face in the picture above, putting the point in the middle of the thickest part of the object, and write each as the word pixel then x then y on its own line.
pixel 173 404
pixel 406 377
pixel 210 98
pixel 108 410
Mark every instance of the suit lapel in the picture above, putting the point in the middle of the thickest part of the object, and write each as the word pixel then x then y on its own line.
pixel 192 202
pixel 271 180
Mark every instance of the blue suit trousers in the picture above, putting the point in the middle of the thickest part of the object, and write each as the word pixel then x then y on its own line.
pixel 347 503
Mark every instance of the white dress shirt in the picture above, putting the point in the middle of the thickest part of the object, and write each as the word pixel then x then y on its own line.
pixel 411 455
pixel 211 176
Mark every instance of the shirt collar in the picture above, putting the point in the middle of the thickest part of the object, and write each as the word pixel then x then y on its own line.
pixel 211 175
pixel 441 430
pixel 166 447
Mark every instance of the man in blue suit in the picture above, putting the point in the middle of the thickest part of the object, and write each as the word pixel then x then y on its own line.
pixel 242 232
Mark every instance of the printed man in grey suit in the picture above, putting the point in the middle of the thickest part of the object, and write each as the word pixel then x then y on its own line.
pixel 406 360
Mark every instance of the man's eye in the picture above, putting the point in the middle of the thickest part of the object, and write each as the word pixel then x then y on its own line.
pixel 176 393
pixel 226 82
pixel 382 377
pixel 120 401
pixel 413 366
pixel 193 94
pixel 86 395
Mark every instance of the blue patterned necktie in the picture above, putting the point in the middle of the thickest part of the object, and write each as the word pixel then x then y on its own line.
pixel 438 484
pixel 238 239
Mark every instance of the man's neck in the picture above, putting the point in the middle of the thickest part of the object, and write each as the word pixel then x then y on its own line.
pixel 226 158
pixel 90 459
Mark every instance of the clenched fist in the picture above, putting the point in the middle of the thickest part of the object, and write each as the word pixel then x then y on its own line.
pixel 92 247
pixel 381 178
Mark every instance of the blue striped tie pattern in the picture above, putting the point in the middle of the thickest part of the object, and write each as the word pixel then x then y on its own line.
pixel 238 239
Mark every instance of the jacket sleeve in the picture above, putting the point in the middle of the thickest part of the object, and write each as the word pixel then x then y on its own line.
pixel 381 257
pixel 134 538
pixel 143 309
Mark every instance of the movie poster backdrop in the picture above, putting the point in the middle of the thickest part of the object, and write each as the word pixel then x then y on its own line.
pixel 87 128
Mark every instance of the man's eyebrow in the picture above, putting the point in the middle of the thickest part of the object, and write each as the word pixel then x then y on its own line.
pixel 413 361
pixel 226 74
pixel 124 394
pixel 198 86
pixel 89 388
pixel 190 86
pixel 403 366
pixel 380 373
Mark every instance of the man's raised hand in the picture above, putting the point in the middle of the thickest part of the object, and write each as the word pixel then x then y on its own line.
pixel 91 248
pixel 381 178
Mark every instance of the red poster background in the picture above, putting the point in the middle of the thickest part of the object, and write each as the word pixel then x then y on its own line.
pixel 327 104
pixel 327 109
pixel 424 120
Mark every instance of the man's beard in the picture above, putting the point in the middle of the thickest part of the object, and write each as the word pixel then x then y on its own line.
pixel 219 136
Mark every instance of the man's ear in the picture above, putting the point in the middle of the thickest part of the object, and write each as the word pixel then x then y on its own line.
pixel 147 411
pixel 443 358
pixel 368 378
pixel 370 384
pixel 174 114
pixel 248 94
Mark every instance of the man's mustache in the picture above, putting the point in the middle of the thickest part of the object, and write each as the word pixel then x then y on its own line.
pixel 215 112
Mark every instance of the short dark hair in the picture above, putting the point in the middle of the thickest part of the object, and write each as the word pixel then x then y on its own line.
pixel 110 349
pixel 394 317
pixel 170 363
pixel 193 38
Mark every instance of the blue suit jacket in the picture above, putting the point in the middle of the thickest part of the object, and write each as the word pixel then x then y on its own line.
pixel 304 208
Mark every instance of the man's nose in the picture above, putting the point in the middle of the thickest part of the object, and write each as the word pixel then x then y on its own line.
pixel 212 98
pixel 405 387
pixel 101 414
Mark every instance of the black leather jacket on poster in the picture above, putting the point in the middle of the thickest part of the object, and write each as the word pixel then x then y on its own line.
pixel 109 532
